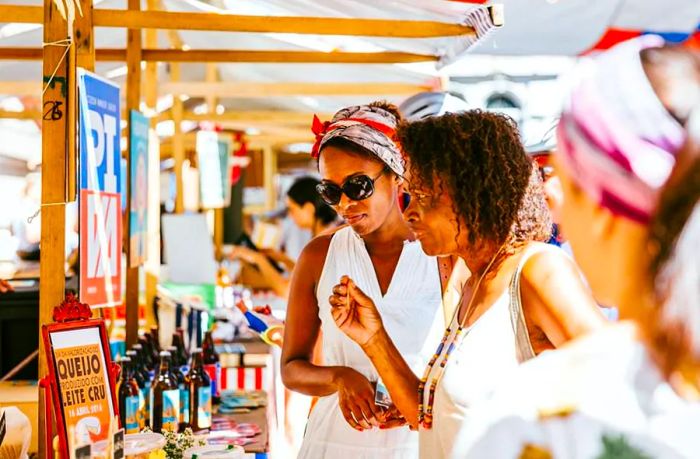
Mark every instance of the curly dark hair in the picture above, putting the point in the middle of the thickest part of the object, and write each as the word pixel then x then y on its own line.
pixel 479 158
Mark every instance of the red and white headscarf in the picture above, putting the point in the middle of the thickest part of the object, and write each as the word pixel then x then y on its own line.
pixel 371 128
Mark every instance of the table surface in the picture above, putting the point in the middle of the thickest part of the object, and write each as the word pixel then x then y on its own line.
pixel 259 416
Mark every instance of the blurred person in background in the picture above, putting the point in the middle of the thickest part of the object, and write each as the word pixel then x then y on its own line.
pixel 308 212
pixel 5 286
pixel 629 164
pixel 26 227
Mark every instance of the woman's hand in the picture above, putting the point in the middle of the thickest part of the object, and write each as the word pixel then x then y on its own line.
pixel 354 312
pixel 245 254
pixel 356 399
pixel 392 418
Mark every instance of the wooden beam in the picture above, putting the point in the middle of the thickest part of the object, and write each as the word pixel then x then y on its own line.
pixel 82 55
pixel 24 115
pixel 271 116
pixel 133 102
pixel 212 76
pixel 178 143
pixel 169 20
pixel 53 188
pixel 22 88
pixel 260 90
pixel 269 172
pixel 279 24
pixel 224 56
pixel 150 93
pixel 84 34
pixel 283 57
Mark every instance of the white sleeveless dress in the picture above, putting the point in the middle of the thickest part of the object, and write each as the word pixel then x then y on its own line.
pixel 413 318
pixel 488 351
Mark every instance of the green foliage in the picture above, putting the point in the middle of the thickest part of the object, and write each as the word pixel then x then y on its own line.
pixel 617 447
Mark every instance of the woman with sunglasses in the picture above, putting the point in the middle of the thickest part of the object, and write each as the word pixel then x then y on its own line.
pixel 629 163
pixel 361 169
pixel 475 194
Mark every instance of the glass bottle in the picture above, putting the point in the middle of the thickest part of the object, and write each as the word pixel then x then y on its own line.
pixel 128 396
pixel 211 364
pixel 147 356
pixel 179 343
pixel 165 398
pixel 184 415
pixel 137 370
pixel 199 385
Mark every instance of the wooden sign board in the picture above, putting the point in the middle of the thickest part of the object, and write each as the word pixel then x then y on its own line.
pixel 80 371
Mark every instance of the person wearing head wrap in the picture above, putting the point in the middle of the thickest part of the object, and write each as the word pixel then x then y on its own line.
pixel 629 161
pixel 361 168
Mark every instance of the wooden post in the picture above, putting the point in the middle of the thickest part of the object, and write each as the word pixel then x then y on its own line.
pixel 269 171
pixel 84 37
pixel 178 142
pixel 212 101
pixel 133 100
pixel 53 183
pixel 150 89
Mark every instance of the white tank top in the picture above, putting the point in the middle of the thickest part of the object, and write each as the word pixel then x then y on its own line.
pixel 413 318
pixel 485 355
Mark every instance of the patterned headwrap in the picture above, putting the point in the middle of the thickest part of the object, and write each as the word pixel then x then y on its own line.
pixel 371 128
pixel 616 139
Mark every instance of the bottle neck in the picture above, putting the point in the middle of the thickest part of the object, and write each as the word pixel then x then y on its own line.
pixel 197 361
pixel 126 370
pixel 164 364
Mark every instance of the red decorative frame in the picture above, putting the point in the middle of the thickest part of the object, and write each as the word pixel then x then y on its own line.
pixel 72 314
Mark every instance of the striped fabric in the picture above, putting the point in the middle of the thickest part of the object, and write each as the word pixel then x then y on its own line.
pixel 578 27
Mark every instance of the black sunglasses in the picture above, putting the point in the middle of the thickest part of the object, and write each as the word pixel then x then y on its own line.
pixel 356 188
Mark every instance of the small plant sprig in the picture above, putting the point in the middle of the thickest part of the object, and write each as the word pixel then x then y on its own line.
pixel 177 443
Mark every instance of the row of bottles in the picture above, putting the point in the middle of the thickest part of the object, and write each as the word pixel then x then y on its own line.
pixel 163 392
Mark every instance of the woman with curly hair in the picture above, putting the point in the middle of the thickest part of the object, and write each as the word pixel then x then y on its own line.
pixel 629 163
pixel 475 194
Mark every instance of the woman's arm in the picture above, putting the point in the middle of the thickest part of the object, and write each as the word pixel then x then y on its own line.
pixel 272 277
pixel 555 298
pixel 303 324
pixel 355 392
pixel 357 316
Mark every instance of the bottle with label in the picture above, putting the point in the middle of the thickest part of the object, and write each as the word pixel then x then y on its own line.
pixel 184 417
pixel 140 367
pixel 211 364
pixel 147 377
pixel 141 383
pixel 199 385
pixel 165 398
pixel 128 395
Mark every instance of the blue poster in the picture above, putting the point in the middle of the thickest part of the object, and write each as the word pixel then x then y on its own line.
pixel 138 180
pixel 100 191
pixel 99 123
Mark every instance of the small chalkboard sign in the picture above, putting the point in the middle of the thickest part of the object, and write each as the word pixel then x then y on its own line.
pixel 118 450
pixel 83 452
pixel 3 427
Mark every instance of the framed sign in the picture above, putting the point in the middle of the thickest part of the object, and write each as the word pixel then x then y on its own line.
pixel 138 180
pixel 82 384
pixel 211 173
pixel 100 191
